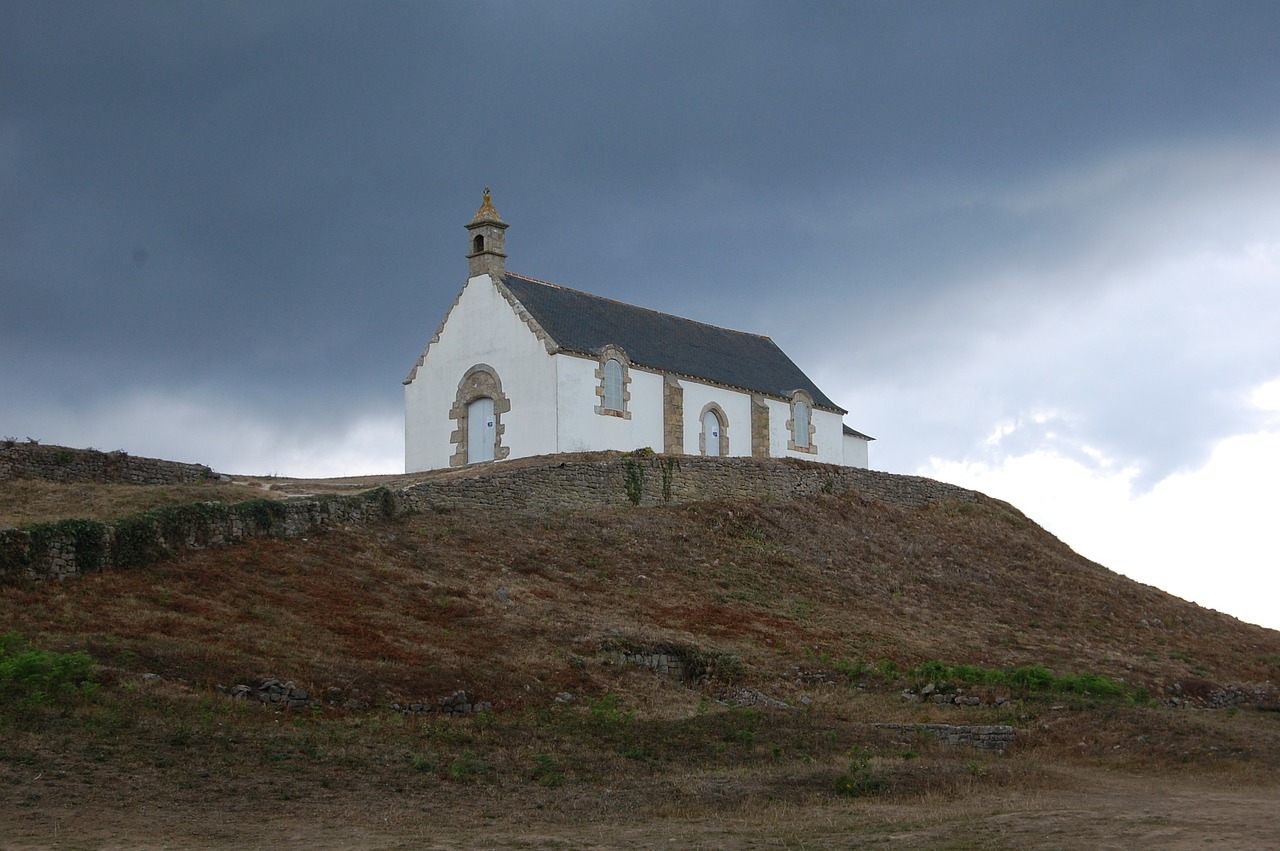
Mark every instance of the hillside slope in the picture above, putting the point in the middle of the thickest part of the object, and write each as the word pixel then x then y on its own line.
pixel 798 624
pixel 508 604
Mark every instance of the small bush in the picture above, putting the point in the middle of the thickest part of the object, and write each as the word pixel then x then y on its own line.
pixel 860 779
pixel 468 766
pixel 1033 678
pixel 32 678
pixel 608 710
pixel 546 771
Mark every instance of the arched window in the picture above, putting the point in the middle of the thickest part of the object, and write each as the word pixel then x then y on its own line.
pixel 477 244
pixel 801 417
pixel 800 426
pixel 612 385
pixel 612 377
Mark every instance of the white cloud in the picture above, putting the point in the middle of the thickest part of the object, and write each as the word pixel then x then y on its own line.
pixel 1207 535
pixel 1266 397
pixel 228 437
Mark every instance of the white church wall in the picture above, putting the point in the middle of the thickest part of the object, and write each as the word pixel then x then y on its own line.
pixel 481 328
pixel 779 413
pixel 581 429
pixel 736 407
pixel 856 452
pixel 828 435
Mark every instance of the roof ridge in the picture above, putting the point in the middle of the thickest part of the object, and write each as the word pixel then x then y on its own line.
pixel 641 307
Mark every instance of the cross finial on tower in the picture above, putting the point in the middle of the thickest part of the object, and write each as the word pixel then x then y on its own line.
pixel 486 211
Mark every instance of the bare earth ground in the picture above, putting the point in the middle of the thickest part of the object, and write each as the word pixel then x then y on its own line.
pixel 1106 810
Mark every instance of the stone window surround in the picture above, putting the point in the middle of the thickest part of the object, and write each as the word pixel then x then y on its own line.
pixel 478 382
pixel 812 448
pixel 702 429
pixel 608 353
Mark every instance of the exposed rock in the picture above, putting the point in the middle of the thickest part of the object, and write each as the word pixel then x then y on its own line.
pixel 751 697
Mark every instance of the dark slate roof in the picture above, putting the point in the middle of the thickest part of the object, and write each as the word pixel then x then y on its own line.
pixel 585 323
pixel 850 431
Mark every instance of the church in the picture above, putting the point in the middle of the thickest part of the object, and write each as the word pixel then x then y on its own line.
pixel 522 367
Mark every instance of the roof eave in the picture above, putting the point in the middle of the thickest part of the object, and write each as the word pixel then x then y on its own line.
pixel 833 409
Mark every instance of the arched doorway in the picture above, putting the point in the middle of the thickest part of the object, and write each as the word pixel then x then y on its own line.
pixel 711 432
pixel 482 432
pixel 477 414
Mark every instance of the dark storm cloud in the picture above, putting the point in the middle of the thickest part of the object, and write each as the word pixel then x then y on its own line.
pixel 295 176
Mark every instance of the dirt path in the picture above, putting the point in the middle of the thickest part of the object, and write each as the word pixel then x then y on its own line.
pixel 1099 810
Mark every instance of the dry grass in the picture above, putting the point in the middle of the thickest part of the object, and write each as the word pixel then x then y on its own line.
pixel 27 501
pixel 796 591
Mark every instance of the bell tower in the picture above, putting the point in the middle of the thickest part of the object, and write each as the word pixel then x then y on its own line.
pixel 486 242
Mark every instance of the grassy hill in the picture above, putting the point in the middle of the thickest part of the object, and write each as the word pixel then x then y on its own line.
pixel 832 605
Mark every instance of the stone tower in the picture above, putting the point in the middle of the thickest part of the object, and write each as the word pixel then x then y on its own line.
pixel 487 243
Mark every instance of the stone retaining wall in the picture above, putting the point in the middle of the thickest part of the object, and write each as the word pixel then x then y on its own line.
pixel 58 550
pixel 994 738
pixel 654 480
pixel 31 460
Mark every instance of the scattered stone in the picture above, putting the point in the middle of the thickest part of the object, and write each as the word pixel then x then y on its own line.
pixel 565 697
pixel 151 678
pixel 502 596
pixel 456 704
pixel 751 697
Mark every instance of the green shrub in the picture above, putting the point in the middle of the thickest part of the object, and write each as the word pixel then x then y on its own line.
pixel 608 710
pixel 468 766
pixel 546 771
pixel 30 678
pixel 860 779
pixel 1032 678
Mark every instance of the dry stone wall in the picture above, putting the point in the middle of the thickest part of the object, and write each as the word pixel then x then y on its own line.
pixel 654 480
pixel 31 460
pixel 58 550
pixel 993 738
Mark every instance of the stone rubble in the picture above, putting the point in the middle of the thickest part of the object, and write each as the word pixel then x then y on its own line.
pixel 458 703
pixel 750 697
pixel 993 738
pixel 929 693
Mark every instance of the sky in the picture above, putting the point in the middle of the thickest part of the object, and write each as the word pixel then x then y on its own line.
pixel 1033 247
